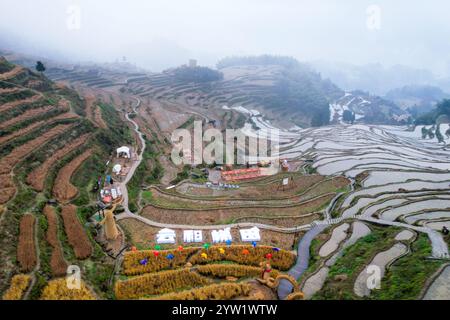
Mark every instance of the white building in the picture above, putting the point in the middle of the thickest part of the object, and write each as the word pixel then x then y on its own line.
pixel 166 236
pixel 123 152
pixel 192 236
pixel 221 235
pixel 250 235
pixel 117 168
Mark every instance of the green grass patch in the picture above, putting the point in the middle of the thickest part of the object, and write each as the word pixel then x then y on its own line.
pixel 407 276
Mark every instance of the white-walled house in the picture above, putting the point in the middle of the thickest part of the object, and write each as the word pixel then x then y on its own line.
pixel 123 152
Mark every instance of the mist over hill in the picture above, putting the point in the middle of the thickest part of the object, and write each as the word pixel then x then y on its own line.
pixel 377 78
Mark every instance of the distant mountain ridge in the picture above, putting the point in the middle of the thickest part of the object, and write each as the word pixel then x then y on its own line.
pixel 377 78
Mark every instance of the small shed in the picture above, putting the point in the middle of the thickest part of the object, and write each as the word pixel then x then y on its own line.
pixel 123 152
pixel 250 235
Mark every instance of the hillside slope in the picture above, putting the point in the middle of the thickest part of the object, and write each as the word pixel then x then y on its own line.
pixel 46 136
pixel 281 88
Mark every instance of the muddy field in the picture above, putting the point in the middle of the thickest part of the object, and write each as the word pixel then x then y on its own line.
pixel 26 250
pixel 76 234
pixel 37 177
pixel 63 189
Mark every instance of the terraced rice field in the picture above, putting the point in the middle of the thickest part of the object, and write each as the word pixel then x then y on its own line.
pixel 26 250
pixel 57 261
pixel 45 139
pixel 399 179
pixel 63 189
pixel 36 178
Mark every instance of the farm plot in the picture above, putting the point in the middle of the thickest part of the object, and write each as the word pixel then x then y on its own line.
pixel 222 291
pixel 76 234
pixel 159 283
pixel 257 190
pixel 36 178
pixel 19 285
pixel 23 131
pixel 58 290
pixel 63 189
pixel 57 262
pixel 8 162
pixel 12 104
pixel 226 215
pixel 196 271
pixel 29 114
pixel 240 254
pixel 26 249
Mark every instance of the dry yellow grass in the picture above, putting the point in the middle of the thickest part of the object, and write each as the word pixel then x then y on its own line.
pixel 58 290
pixel 232 270
pixel 223 291
pixel 19 284
pixel 158 283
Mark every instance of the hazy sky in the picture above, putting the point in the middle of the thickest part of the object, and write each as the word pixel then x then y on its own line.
pixel 162 33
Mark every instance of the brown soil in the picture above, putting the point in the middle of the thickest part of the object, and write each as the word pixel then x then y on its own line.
pixel 57 262
pixel 93 112
pixel 98 118
pixel 171 200
pixel 36 125
pixel 37 177
pixel 11 74
pixel 265 191
pixel 76 234
pixel 8 162
pixel 63 189
pixel 13 104
pixel 223 216
pixel 283 221
pixel 25 116
pixel 26 250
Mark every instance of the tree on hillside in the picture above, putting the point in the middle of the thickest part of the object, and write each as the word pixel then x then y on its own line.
pixel 447 133
pixel 348 116
pixel 439 135
pixel 424 132
pixel 40 67
pixel 197 74
pixel 443 108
